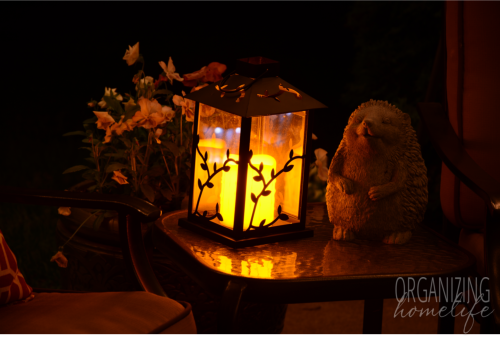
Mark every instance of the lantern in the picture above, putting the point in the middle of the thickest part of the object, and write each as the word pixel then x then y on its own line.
pixel 250 157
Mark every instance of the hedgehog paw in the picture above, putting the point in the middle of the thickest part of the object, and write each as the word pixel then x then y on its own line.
pixel 342 234
pixel 397 238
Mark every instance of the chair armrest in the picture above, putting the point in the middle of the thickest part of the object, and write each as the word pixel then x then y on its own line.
pixel 141 209
pixel 131 212
pixel 451 151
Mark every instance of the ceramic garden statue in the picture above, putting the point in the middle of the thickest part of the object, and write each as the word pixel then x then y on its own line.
pixel 377 181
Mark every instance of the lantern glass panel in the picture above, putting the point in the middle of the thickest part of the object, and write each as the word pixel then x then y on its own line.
pixel 272 138
pixel 218 131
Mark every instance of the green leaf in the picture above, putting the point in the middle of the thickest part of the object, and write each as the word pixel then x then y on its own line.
pixel 91 160
pixel 162 91
pixel 75 169
pixel 127 142
pixel 98 221
pixel 172 148
pixel 130 112
pixel 155 171
pixel 115 167
pixel 90 120
pixel 148 192
pixel 75 133
pixel 166 193
pixel 114 104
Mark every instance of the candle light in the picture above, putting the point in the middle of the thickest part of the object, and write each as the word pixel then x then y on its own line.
pixel 265 206
pixel 215 149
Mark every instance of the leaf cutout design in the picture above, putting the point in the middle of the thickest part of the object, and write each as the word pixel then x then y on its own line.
pixel 288 168
pixel 257 178
pixel 199 184
pixel 210 185
pixel 279 209
pixel 204 167
pixel 254 198
pixel 250 155
pixel 217 207
pixel 227 153
pixel 226 168
pixel 283 217
pixel 219 216
pixel 261 167
pixel 206 155
pixel 205 213
pixel 262 223
pixel 215 167
pixel 291 154
pixel 272 173
pixel 266 193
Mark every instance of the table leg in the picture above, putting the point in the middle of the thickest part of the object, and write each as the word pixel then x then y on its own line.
pixel 446 323
pixel 372 316
pixel 228 309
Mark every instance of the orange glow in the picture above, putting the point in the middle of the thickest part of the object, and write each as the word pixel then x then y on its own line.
pixel 215 149
pixel 293 179
pixel 265 207
pixel 256 270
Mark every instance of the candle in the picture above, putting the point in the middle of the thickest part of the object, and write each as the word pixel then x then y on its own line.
pixel 265 206
pixel 293 181
pixel 215 149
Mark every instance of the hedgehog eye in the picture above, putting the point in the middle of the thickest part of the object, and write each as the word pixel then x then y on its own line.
pixel 386 121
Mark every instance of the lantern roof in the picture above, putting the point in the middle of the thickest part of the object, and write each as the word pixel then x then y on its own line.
pixel 257 97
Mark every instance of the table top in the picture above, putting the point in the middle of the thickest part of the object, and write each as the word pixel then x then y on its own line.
pixel 426 254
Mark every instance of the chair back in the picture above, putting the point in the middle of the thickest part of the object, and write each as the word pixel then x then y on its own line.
pixel 473 87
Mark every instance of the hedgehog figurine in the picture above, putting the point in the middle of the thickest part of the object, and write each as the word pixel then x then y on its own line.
pixel 377 181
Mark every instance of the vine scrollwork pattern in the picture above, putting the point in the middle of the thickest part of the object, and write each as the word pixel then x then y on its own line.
pixel 258 178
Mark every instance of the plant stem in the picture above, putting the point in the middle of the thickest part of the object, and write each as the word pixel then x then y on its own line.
pixel 67 241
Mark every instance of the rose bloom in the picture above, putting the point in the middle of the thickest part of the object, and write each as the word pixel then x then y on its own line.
pixel 119 178
pixel 104 120
pixel 211 73
pixel 132 54
pixel 150 115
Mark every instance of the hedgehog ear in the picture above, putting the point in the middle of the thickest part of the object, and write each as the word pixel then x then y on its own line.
pixel 406 118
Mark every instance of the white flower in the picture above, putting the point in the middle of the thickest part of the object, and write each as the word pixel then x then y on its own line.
pixel 321 163
pixel 187 106
pixel 170 71
pixel 132 54
pixel 168 112
pixel 145 82
pixel 109 92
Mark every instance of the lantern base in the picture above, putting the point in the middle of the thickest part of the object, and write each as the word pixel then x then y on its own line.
pixel 239 243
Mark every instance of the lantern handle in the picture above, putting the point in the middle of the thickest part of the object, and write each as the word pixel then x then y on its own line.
pixel 240 88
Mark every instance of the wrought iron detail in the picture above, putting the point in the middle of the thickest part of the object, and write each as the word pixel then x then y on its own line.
pixel 204 166
pixel 281 90
pixel 265 192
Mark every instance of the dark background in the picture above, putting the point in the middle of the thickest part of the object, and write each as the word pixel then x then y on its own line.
pixel 56 57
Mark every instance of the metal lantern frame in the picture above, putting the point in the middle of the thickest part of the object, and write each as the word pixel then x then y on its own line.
pixel 253 90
